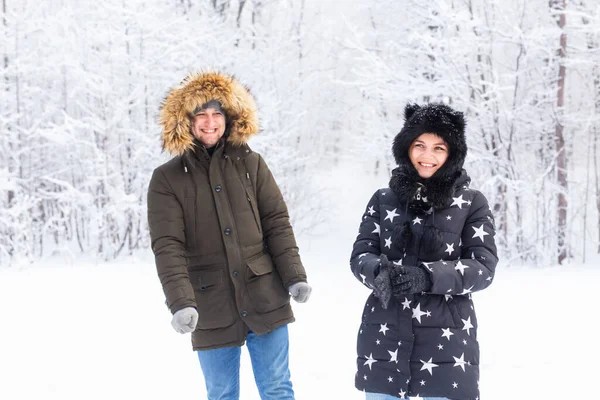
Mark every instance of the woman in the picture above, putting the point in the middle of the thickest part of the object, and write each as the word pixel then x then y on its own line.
pixel 425 244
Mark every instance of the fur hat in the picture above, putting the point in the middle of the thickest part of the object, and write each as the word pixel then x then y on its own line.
pixel 197 89
pixel 438 119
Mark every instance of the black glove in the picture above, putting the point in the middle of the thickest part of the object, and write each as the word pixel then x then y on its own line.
pixel 409 280
pixel 382 288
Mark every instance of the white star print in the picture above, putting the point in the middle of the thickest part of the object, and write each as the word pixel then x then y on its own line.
pixel 371 210
pixel 422 382
pixel 417 313
pixel 388 242
pixel 448 297
pixel 449 248
pixel 440 346
pixel 461 267
pixel 391 215
pixel 364 278
pixel 383 328
pixel 370 361
pixel 467 326
pixel 460 362
pixel 377 228
pixel 429 365
pixel 417 220
pixel 426 264
pixel 480 233
pixel 378 342
pixel 362 255
pixel 458 201
pixel 449 217
pixel 390 379
pixel 447 333
pixel 454 385
pixel 402 394
pixel 394 356
pixel 406 303
pixel 399 262
pixel 467 291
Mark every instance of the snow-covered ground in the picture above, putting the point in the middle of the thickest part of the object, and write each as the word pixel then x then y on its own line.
pixel 103 332
pixel 81 330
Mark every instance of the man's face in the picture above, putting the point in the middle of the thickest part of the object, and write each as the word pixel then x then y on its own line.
pixel 209 126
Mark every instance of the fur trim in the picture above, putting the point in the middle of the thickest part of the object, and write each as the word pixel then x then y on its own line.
pixel 438 189
pixel 177 110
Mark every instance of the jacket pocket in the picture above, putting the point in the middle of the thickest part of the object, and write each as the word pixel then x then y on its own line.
pixel 213 299
pixel 189 217
pixel 254 208
pixel 264 284
pixel 246 182
pixel 463 311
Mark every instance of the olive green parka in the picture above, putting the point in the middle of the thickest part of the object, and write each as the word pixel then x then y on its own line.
pixel 219 226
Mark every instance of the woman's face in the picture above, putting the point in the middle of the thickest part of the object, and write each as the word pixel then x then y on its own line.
pixel 428 153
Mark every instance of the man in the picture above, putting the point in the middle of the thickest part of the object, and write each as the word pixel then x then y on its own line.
pixel 225 250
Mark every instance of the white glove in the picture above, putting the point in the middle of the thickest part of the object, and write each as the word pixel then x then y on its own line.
pixel 185 320
pixel 300 291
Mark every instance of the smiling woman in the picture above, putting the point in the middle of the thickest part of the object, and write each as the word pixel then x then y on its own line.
pixel 425 244
pixel 428 153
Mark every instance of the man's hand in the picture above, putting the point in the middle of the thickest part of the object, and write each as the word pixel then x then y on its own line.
pixel 300 291
pixel 185 320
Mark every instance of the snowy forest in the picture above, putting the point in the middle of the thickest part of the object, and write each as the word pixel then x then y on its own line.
pixel 81 83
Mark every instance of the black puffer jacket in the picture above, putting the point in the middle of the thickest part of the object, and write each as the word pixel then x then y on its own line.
pixel 425 344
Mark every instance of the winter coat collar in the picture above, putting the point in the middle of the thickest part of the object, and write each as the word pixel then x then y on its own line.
pixel 438 190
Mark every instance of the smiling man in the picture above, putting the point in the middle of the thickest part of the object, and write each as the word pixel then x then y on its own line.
pixel 225 251
pixel 209 124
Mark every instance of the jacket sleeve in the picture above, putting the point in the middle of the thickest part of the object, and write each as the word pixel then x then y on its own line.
pixel 364 261
pixel 475 269
pixel 167 235
pixel 277 230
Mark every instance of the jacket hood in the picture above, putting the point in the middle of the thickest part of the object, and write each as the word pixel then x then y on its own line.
pixel 177 110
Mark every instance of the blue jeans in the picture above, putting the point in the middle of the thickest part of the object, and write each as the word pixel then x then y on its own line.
pixel 381 396
pixel 269 357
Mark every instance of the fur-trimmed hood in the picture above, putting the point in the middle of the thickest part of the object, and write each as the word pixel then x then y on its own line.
pixel 177 110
